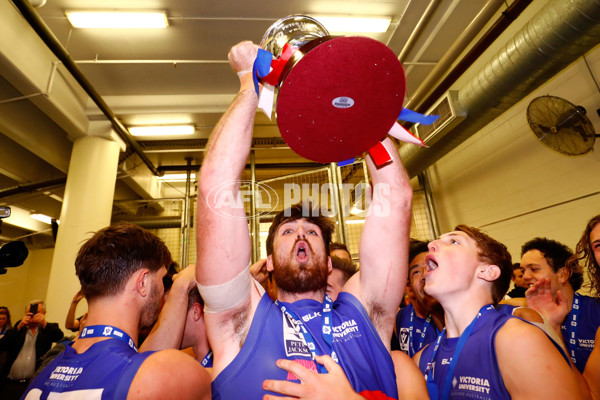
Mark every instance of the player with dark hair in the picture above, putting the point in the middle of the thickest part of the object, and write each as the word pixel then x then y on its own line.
pixel 342 269
pixel 340 250
pixel 520 286
pixel 120 269
pixel 547 259
pixel 421 321
pixel 249 332
pixel 575 316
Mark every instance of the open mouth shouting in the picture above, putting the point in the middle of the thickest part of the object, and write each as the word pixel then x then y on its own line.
pixel 302 251
pixel 431 263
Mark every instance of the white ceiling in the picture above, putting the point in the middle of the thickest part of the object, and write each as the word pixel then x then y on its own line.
pixel 175 75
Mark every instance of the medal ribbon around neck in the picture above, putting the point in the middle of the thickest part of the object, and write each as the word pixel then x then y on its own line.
pixel 572 328
pixel 326 330
pixel 206 360
pixel 427 324
pixel 431 385
pixel 107 331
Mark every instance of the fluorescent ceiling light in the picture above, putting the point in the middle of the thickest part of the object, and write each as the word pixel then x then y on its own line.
pixel 162 130
pixel 354 221
pixel 118 19
pixel 43 218
pixel 176 177
pixel 54 196
pixel 349 24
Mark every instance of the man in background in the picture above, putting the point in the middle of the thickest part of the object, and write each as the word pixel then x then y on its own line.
pixel 339 250
pixel 25 345
pixel 547 259
pixel 194 335
pixel 421 321
pixel 520 284
pixel 342 270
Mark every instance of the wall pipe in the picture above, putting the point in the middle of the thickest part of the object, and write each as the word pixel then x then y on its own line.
pixel 465 38
pixel 503 22
pixel 557 35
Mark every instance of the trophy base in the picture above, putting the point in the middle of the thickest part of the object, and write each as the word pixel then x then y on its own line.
pixel 340 99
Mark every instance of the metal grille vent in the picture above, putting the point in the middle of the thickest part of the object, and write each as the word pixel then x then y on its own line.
pixel 450 115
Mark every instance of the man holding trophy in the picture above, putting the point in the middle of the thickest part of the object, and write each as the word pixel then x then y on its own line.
pixel 249 332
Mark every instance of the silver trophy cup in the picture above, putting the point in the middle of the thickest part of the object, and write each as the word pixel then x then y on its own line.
pixel 295 30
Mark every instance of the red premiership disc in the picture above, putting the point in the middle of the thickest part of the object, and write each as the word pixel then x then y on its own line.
pixel 340 99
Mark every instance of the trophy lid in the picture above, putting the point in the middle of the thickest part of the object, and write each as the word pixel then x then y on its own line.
pixel 340 99
pixel 295 30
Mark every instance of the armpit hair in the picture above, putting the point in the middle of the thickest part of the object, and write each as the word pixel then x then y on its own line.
pixel 377 314
pixel 239 323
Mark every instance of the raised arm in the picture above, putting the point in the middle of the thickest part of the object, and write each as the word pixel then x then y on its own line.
pixel 223 239
pixel 379 285
pixel 167 333
pixel 71 322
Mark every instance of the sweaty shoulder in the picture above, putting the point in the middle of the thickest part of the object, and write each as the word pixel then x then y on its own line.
pixel 170 374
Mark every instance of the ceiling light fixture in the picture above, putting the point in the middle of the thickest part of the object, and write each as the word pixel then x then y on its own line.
pixel 350 24
pixel 118 19
pixel 176 177
pixel 43 218
pixel 354 221
pixel 162 130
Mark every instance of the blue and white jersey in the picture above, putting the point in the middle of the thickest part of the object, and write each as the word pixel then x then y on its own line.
pixel 361 354
pixel 476 375
pixel 579 329
pixel 409 329
pixel 103 372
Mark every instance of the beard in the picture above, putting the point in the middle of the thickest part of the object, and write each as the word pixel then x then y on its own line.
pixel 151 309
pixel 293 277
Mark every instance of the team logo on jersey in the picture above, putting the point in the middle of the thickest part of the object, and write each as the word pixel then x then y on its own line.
pixel 586 343
pixel 65 374
pixel 473 384
pixel 293 340
pixel 346 330
pixel 404 339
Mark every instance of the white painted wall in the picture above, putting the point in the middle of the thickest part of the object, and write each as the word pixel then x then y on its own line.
pixel 27 282
pixel 505 181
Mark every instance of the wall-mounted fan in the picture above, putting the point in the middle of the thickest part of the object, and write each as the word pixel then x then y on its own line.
pixel 560 125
